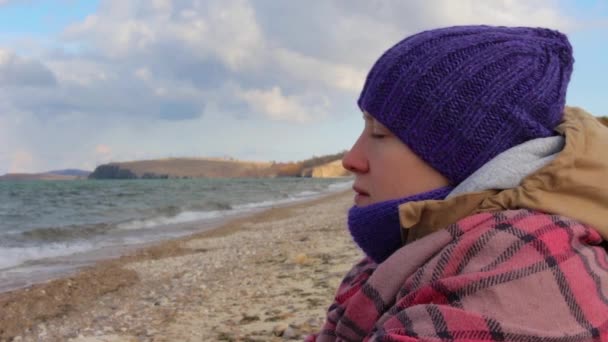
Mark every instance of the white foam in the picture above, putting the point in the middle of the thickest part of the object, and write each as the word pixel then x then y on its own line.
pixel 15 256
pixel 262 204
pixel 183 217
pixel 334 187
pixel 341 185
pixel 194 216
pixel 307 194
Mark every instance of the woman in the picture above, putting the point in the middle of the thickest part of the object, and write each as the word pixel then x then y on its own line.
pixel 481 200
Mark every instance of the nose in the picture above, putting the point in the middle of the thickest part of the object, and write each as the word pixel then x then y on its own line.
pixel 355 160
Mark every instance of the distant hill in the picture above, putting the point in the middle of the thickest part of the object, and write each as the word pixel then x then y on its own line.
pixel 182 168
pixel 215 168
pixel 69 174
pixel 604 120
pixel 37 176
pixel 328 170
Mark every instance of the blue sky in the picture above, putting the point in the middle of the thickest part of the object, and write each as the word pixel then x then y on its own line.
pixel 88 82
pixel 43 18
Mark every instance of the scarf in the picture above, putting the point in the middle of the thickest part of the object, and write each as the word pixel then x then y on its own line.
pixel 376 228
pixel 514 275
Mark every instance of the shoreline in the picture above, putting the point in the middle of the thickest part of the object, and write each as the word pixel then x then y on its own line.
pixel 55 267
pixel 288 259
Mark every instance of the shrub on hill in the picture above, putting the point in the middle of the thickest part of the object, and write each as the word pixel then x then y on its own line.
pixel 111 171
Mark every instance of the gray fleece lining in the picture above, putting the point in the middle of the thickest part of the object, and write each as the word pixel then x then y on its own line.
pixel 507 169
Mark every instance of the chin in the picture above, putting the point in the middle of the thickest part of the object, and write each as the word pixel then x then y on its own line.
pixel 362 201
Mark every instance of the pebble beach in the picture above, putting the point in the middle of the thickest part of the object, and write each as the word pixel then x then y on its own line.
pixel 265 277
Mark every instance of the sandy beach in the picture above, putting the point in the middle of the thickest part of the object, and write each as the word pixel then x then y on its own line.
pixel 265 277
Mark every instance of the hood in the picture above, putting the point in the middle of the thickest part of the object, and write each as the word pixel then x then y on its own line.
pixel 572 183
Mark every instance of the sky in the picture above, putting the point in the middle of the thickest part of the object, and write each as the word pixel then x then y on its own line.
pixel 84 83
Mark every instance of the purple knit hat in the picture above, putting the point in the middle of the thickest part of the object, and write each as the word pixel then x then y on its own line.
pixel 458 96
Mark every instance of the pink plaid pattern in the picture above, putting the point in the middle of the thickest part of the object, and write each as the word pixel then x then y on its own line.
pixel 516 275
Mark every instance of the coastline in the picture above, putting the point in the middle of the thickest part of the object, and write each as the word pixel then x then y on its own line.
pixel 267 276
pixel 40 262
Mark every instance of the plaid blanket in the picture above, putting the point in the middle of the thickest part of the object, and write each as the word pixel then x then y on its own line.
pixel 516 275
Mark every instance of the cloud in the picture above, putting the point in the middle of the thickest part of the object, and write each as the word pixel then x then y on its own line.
pixel 143 58
pixel 179 110
pixel 103 150
pixel 356 32
pixel 222 30
pixel 333 75
pixel 17 71
pixel 21 161
pixel 142 66
pixel 81 71
pixel 95 88
pixel 103 154
pixel 277 106
pixel 143 73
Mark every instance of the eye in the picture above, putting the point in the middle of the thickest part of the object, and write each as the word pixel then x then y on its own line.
pixel 378 135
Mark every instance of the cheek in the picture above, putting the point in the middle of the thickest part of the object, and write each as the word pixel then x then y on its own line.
pixel 389 173
pixel 397 173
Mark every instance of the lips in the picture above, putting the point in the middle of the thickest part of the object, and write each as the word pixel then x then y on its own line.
pixel 361 197
pixel 360 191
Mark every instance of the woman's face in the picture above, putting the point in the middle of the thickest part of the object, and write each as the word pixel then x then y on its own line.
pixel 385 168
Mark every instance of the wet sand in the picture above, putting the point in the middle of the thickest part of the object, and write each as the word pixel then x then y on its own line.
pixel 265 277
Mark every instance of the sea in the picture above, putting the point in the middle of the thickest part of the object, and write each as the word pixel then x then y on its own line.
pixel 51 228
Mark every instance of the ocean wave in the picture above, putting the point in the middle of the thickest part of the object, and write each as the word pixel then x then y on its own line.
pixel 307 193
pixel 261 204
pixel 183 217
pixel 217 205
pixel 57 234
pixel 139 220
pixel 170 211
pixel 15 256
pixel 341 185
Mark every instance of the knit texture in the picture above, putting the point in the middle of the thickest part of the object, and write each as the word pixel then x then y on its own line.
pixel 376 228
pixel 458 96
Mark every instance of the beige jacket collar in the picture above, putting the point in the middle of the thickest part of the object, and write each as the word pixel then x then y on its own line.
pixel 574 184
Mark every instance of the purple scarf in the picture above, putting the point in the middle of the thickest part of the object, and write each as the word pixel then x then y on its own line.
pixel 376 228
